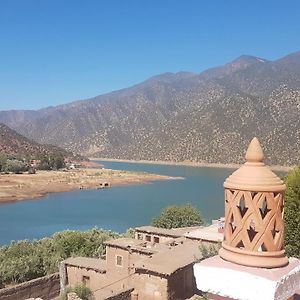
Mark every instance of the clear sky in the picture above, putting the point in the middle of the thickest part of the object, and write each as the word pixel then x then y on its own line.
pixel 57 51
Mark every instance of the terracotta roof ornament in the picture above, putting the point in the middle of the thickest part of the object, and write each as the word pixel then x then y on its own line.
pixel 254 202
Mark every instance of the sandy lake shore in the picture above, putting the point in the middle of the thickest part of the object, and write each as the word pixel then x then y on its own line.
pixel 189 164
pixel 16 187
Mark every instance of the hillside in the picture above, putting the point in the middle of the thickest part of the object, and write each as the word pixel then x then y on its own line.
pixel 206 117
pixel 14 144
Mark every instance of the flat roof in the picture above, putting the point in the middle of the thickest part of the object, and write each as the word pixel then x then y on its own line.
pixel 123 242
pixel 96 264
pixel 169 261
pixel 132 244
pixel 174 232
pixel 144 247
pixel 209 233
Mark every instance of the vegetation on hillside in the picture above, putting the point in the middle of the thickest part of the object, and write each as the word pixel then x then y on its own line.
pixel 15 145
pixel 25 260
pixel 18 152
pixel 17 164
pixel 176 216
pixel 292 213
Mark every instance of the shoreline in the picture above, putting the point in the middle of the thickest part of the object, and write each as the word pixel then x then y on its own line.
pixel 22 187
pixel 188 164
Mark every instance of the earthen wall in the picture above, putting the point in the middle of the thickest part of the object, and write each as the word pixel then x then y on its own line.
pixel 152 237
pixel 45 287
pixel 90 278
pixel 150 286
pixel 182 283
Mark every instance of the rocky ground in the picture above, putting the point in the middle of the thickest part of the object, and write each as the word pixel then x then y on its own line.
pixel 15 187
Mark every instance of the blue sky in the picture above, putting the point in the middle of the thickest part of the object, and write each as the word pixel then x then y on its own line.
pixel 57 51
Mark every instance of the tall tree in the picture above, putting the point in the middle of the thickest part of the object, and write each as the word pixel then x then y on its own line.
pixel 176 216
pixel 3 159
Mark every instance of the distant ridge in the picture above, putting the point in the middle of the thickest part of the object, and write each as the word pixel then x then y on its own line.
pixel 207 117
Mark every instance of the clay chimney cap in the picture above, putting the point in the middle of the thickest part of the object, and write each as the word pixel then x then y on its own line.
pixel 254 175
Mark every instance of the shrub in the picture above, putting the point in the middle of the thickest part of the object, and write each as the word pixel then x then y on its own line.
pixel 292 213
pixel 82 291
pixel 209 250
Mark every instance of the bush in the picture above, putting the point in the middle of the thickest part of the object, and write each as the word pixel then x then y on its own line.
pixel 292 213
pixel 25 260
pixel 178 216
pixel 82 291
pixel 209 250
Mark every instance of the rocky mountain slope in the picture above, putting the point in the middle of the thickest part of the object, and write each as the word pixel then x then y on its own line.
pixel 206 117
pixel 12 143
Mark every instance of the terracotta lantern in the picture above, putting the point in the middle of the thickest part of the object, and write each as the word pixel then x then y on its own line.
pixel 254 207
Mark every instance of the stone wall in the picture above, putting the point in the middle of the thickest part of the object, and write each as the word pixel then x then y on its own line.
pixel 122 295
pixel 45 287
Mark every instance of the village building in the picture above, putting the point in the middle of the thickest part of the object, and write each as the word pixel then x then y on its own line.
pixel 156 264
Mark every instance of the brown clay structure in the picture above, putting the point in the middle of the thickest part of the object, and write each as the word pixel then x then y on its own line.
pixel 251 264
pixel 254 201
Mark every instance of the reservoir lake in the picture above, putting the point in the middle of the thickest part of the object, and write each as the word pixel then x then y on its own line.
pixel 116 208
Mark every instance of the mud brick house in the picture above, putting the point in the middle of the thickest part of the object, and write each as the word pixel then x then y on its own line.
pixel 156 264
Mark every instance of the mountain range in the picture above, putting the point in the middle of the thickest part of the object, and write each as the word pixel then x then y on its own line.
pixel 206 117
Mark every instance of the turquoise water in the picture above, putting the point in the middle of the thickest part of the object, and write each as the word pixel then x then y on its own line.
pixel 116 208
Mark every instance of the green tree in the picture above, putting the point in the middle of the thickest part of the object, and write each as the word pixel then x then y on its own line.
pixel 20 262
pixel 51 162
pixel 176 216
pixel 1 283
pixel 44 163
pixel 292 213
pixel 56 162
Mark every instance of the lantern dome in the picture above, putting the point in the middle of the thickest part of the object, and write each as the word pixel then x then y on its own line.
pixel 254 175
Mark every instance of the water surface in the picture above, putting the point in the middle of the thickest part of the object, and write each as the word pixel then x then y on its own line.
pixel 116 208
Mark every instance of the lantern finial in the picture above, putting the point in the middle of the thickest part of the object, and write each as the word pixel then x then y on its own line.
pixel 254 152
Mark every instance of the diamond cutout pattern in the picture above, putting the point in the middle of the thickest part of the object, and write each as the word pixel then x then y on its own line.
pixel 254 220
